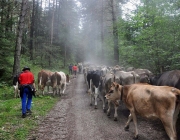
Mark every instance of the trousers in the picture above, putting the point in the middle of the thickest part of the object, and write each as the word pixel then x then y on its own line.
pixel 26 100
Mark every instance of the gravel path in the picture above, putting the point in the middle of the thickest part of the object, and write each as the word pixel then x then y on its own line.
pixel 72 118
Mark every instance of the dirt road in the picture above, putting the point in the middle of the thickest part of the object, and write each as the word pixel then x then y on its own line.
pixel 72 118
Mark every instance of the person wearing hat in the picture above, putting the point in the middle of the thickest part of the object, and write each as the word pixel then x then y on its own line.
pixel 27 89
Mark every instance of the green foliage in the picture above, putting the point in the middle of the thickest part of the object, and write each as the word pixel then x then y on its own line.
pixel 150 39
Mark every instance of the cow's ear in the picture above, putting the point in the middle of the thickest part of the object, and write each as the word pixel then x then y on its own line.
pixel 117 86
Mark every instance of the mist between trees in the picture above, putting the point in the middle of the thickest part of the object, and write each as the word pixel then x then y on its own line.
pixel 54 33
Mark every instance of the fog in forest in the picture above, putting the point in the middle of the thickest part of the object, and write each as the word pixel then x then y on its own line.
pixel 96 28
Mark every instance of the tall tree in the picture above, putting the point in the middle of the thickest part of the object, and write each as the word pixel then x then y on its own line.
pixel 31 45
pixel 102 30
pixel 17 54
pixel 115 32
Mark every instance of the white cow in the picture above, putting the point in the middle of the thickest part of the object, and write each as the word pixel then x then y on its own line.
pixel 62 86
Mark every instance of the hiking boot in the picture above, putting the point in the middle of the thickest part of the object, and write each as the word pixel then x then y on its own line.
pixel 24 115
pixel 29 112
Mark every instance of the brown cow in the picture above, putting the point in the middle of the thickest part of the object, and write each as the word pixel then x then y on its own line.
pixel 43 77
pixel 104 87
pixel 151 102
pixel 54 81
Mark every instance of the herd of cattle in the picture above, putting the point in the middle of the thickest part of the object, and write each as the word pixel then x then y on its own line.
pixel 142 92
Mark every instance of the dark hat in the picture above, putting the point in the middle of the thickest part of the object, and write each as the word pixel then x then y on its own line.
pixel 26 68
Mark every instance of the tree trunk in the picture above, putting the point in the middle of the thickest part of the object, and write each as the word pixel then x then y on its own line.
pixel 51 33
pixel 115 33
pixel 17 54
pixel 31 44
pixel 102 32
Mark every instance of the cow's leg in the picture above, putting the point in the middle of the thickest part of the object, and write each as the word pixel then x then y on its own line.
pixel 63 88
pixel 135 123
pixel 43 90
pixel 103 100
pixel 168 125
pixel 96 95
pixel 14 91
pixel 127 123
pixel 54 91
pixel 58 90
pixel 90 91
pixel 91 98
pixel 115 112
pixel 109 108
pixel 48 89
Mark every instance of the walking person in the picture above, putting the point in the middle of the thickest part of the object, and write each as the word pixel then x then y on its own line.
pixel 75 70
pixel 27 90
pixel 70 69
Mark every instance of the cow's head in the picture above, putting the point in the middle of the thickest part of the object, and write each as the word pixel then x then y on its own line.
pixel 115 88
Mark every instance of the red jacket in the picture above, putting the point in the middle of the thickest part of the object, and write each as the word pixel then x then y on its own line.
pixel 26 77
pixel 74 68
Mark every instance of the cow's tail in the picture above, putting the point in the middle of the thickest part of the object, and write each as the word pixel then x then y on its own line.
pixel 176 112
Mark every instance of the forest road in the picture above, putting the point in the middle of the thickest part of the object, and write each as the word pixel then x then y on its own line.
pixel 72 118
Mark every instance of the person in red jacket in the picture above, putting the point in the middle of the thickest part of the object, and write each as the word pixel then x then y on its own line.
pixel 27 89
pixel 75 70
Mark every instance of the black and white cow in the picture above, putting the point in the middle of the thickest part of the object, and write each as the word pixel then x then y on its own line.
pixel 93 79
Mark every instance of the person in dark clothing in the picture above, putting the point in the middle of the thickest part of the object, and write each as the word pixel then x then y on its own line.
pixel 70 69
pixel 75 68
pixel 27 90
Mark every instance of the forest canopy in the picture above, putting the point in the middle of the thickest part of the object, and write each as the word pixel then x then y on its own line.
pixel 55 33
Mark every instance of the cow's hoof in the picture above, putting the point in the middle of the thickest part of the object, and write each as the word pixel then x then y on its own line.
pixel 135 137
pixel 115 119
pixel 108 114
pixel 104 110
pixel 95 107
pixel 126 128
pixel 90 104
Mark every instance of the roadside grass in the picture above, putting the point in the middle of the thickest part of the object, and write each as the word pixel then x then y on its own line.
pixel 12 126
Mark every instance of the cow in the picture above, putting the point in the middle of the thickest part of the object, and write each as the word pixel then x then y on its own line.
pixel 93 79
pixel 143 71
pixel 144 74
pixel 61 87
pixel 156 102
pixel 105 84
pixel 117 68
pixel 130 69
pixel 16 86
pixel 169 78
pixel 43 78
pixel 126 78
pixel 80 68
pixel 58 82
